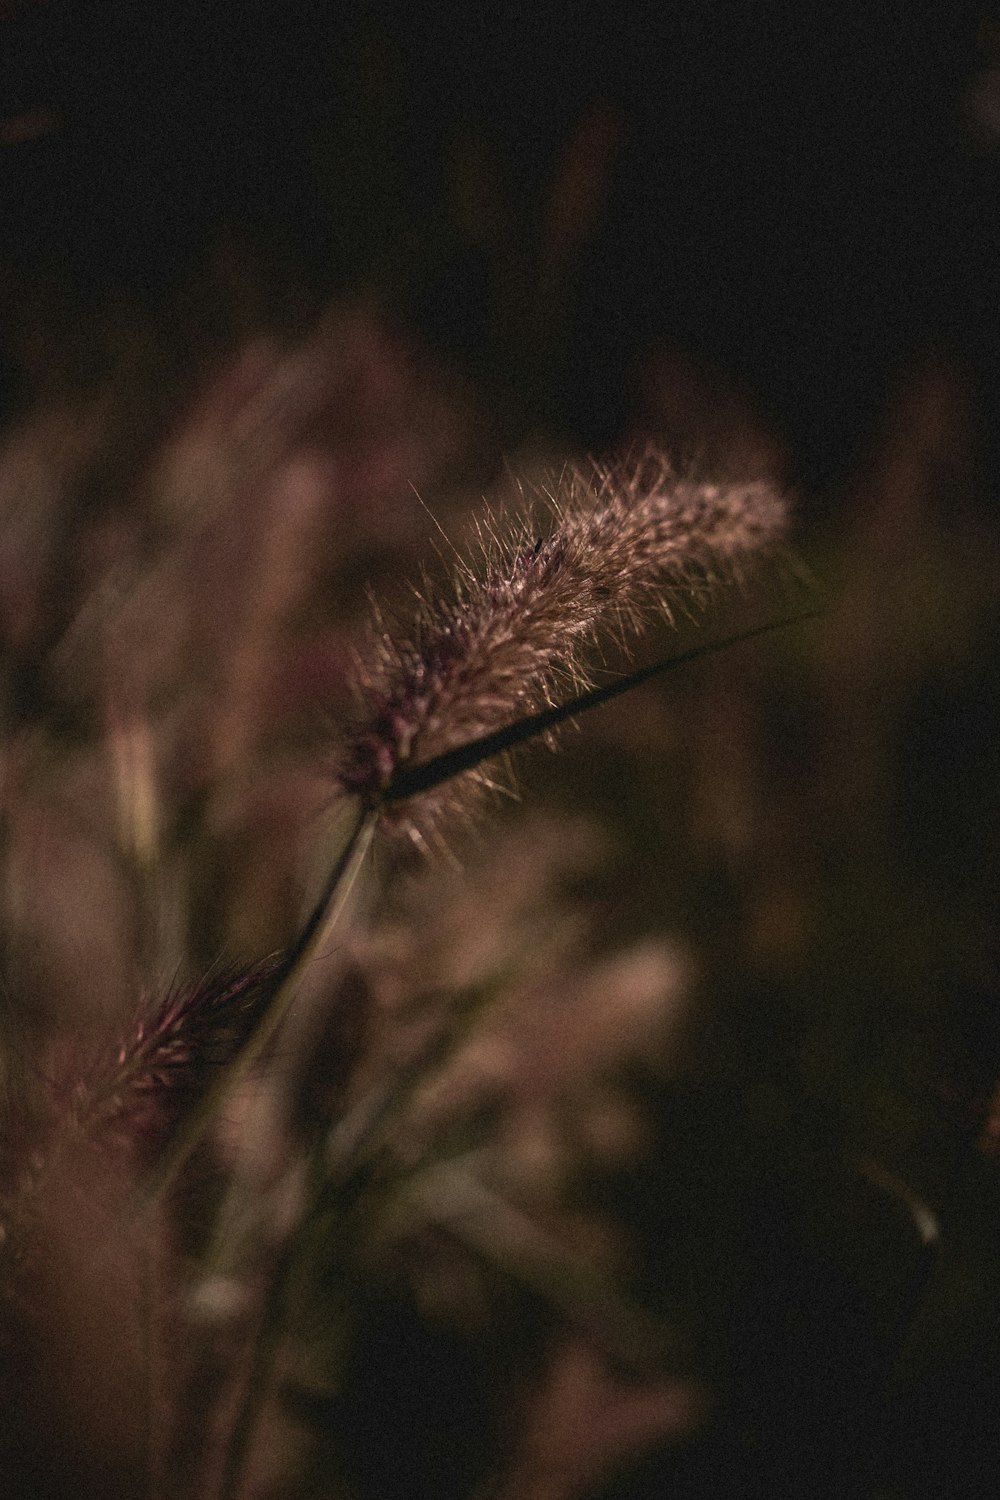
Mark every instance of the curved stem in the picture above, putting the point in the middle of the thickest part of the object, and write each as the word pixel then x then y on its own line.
pixel 325 913
pixel 267 1338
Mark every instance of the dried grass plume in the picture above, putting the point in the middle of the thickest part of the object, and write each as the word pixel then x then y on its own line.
pixel 519 632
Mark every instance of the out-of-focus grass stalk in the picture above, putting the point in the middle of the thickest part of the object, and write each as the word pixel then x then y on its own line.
pixel 323 918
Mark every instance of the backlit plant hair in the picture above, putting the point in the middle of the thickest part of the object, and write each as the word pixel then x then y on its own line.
pixel 514 641
pixel 507 655
pixel 170 1058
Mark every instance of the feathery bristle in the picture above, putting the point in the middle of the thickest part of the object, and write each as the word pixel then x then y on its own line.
pixel 172 1055
pixel 515 637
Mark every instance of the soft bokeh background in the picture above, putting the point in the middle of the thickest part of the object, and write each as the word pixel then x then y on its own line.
pixel 805 200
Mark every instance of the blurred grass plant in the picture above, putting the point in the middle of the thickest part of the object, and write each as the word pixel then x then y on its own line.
pixel 466 1182
pixel 304 1128
pixel 520 1187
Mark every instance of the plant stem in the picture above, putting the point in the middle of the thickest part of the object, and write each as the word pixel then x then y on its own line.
pixel 324 916
pixel 265 1346
pixel 267 1337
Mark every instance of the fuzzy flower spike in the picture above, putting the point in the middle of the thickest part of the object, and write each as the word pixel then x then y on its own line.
pixel 516 635
pixel 173 1056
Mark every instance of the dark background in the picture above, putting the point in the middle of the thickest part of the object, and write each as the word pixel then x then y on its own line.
pixel 804 196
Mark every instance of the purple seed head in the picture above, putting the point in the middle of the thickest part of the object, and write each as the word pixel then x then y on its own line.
pixel 517 633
